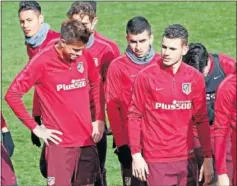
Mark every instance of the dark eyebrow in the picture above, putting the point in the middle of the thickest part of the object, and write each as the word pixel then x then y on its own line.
pixel 142 40
pixel 171 48
pixel 163 46
pixel 134 41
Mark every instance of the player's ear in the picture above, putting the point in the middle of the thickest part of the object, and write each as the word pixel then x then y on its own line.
pixel 94 22
pixel 151 39
pixel 62 43
pixel 185 49
pixel 41 18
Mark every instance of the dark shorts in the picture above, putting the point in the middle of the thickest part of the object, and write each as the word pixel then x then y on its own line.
pixel 179 173
pixel 70 165
pixel 8 176
pixel 88 166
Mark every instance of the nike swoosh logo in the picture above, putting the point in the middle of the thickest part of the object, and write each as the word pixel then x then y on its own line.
pixel 159 89
pixel 216 77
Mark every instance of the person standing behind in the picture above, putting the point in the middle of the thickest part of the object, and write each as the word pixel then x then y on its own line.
pixel 103 52
pixel 166 97
pixel 94 22
pixel 62 75
pixel 214 67
pixel 121 74
pixel 8 177
pixel 37 36
pixel 225 126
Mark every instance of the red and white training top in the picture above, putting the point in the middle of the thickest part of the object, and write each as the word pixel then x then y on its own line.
pixel 111 43
pixel 162 107
pixel 63 90
pixel 225 122
pixel 102 55
pixel 121 75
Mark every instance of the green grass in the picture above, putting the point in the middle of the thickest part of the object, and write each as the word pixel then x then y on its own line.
pixel 212 23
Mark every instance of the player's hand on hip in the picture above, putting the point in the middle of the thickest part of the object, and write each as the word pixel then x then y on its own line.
pixel 48 134
pixel 139 167
pixel 98 130
pixel 223 179
pixel 207 171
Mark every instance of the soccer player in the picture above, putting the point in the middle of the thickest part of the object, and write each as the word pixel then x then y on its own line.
pixel 91 23
pixel 121 74
pixel 225 126
pixel 8 177
pixel 166 97
pixel 62 75
pixel 214 67
pixel 103 52
pixel 37 35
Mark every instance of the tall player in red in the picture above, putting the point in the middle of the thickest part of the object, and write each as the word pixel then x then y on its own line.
pixel 37 35
pixel 121 74
pixel 62 75
pixel 166 97
pixel 225 126
pixel 103 52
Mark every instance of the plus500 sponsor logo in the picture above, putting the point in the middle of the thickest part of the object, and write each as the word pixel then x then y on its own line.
pixel 75 84
pixel 176 105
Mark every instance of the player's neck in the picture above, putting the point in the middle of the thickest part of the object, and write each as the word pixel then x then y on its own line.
pixel 176 66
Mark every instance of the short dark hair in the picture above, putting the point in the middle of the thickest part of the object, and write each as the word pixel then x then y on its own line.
pixel 93 4
pixel 74 31
pixel 83 8
pixel 176 31
pixel 29 5
pixel 137 25
pixel 197 56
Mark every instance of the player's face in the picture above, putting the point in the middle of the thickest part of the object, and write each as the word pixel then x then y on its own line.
pixel 30 22
pixel 140 43
pixel 90 25
pixel 172 51
pixel 72 51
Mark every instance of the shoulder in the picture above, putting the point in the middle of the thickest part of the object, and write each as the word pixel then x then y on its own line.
pixel 227 83
pixel 149 71
pixel 118 62
pixel 103 44
pixel 53 34
pixel 223 58
pixel 191 71
pixel 105 39
pixel 43 56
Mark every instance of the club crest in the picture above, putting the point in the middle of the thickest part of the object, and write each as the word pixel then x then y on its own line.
pixel 186 88
pixel 127 181
pixel 80 67
pixel 51 180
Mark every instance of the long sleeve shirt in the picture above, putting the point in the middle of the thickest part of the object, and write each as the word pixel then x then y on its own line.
pixel 225 122
pixel 51 35
pixel 162 107
pixel 121 75
pixel 102 55
pixel 63 90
